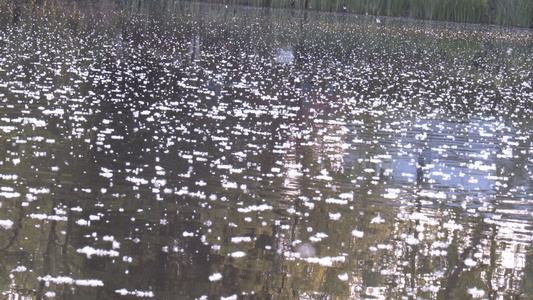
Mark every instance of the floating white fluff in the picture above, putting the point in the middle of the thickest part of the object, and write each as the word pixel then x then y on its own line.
pixel 89 282
pixel 336 201
pixel 346 196
pixel 358 233
pixel 19 269
pixel 453 226
pixel 241 239
pixel 7 224
pixel 215 277
pixel 475 292
pixel 68 280
pixel 238 254
pixel 251 208
pixel 377 220
pixel 335 217
pixel 411 240
pixel 50 294
pixel 343 277
pixel 83 222
pixel 229 185
pixel 140 294
pixel 325 261
pixel 47 217
pixel 470 262
pixel 90 251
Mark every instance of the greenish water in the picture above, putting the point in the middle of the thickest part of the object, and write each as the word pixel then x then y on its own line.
pixel 173 150
pixel 500 12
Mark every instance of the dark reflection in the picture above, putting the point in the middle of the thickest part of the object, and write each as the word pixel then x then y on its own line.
pixel 171 150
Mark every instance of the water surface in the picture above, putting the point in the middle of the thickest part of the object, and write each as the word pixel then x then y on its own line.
pixel 179 151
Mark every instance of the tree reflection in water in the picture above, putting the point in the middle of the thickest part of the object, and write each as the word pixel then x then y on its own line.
pixel 175 150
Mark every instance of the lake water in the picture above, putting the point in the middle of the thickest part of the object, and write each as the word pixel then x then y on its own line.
pixel 173 150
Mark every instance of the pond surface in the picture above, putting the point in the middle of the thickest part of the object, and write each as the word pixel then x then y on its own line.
pixel 173 150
